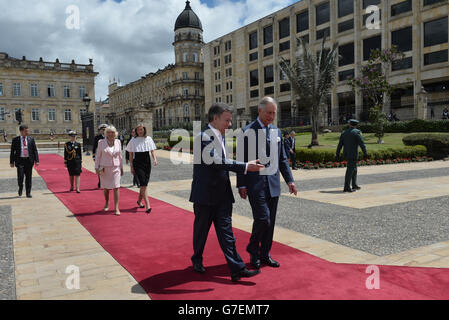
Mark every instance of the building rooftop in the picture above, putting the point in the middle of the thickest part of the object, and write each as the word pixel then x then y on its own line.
pixel 188 19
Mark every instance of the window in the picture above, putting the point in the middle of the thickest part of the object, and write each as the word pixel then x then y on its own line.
pixel 302 21
pixel 197 92
pixel 229 72
pixel 216 63
pixel 218 88
pixel 17 90
pixel 35 114
pixel 1 89
pixel 429 2
pixel 254 93
pixel 216 50
pixel 268 74
pixel 345 7
pixel 68 115
pixel 367 3
pixel 51 91
pixel 284 28
pixel 285 87
pixel 254 78
pixel 82 91
pixel 402 64
pixel 322 13
pixel 2 114
pixel 268 52
pixel 184 57
pixel 345 75
pixel 195 57
pixel 185 92
pixel 435 57
pixel 66 91
pixel 403 39
pixel 371 44
pixel 51 114
pixel 186 110
pixel 228 45
pixel 320 34
pixel 346 53
pixel 401 7
pixel 197 76
pixel 435 32
pixel 284 46
pixel 197 110
pixel 253 56
pixel 253 40
pixel 33 88
pixel 346 25
pixel 228 59
pixel 268 35
pixel 268 91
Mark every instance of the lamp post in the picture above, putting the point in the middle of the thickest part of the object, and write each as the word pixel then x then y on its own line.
pixel 87 120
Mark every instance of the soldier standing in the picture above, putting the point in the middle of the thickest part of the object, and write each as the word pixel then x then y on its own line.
pixel 351 139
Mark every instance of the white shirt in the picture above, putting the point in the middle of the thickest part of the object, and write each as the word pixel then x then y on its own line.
pixel 21 146
pixel 141 144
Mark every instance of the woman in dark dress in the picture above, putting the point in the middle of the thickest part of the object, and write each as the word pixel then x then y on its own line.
pixel 139 150
pixel 72 160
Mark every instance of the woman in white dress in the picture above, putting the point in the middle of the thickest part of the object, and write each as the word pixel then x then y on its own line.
pixel 139 150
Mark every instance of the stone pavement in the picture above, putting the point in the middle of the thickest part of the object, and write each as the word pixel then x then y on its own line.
pixel 407 224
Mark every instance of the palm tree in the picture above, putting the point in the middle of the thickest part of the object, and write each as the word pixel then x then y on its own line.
pixel 312 77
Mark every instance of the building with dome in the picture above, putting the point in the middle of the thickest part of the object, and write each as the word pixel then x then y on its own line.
pixel 170 97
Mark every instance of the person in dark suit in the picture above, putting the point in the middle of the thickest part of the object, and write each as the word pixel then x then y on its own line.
pixel 286 142
pixel 211 192
pixel 292 153
pixel 24 156
pixel 132 136
pixel 263 189
pixel 73 158
pixel 97 138
pixel 351 139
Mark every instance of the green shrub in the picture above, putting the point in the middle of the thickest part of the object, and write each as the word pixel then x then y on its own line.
pixel 409 126
pixel 328 155
pixel 437 144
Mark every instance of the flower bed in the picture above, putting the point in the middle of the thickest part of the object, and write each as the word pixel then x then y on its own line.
pixel 327 165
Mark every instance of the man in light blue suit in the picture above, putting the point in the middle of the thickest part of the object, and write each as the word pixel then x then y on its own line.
pixel 264 188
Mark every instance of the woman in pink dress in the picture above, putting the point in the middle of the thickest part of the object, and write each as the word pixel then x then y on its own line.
pixel 109 165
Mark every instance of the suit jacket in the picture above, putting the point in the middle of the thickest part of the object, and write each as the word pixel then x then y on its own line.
pixel 96 139
pixel 292 143
pixel 287 146
pixel 211 185
pixel 255 182
pixel 68 150
pixel 106 158
pixel 351 139
pixel 16 148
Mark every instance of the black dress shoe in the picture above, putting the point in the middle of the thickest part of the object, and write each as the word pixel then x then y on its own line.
pixel 140 205
pixel 20 193
pixel 244 273
pixel 270 262
pixel 148 210
pixel 254 261
pixel 199 268
pixel 356 188
pixel 348 190
pixel 29 196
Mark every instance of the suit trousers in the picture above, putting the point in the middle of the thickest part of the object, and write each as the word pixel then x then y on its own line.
pixel 221 216
pixel 351 174
pixel 293 159
pixel 24 169
pixel 264 209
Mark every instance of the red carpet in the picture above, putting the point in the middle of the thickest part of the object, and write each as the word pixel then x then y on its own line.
pixel 156 250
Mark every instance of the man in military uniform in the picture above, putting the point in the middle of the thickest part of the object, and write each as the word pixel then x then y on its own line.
pixel 351 139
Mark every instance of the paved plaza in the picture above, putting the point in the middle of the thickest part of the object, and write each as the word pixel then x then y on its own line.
pixel 398 218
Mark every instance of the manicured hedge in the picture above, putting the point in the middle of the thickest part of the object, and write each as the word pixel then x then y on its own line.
pixel 409 126
pixel 328 155
pixel 437 144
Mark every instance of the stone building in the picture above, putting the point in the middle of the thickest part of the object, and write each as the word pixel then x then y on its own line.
pixel 243 66
pixel 50 94
pixel 172 96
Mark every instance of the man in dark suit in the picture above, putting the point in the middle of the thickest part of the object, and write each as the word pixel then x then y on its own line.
pixel 97 138
pixel 212 193
pixel 351 139
pixel 23 156
pixel 264 188
pixel 292 152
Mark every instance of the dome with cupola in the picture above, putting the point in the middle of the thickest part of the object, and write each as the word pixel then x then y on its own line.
pixel 188 19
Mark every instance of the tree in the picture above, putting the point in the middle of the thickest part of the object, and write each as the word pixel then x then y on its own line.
pixel 374 85
pixel 312 77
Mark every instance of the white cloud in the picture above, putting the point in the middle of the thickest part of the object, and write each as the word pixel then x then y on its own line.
pixel 126 40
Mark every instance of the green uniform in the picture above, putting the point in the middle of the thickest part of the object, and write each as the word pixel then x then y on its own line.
pixel 351 139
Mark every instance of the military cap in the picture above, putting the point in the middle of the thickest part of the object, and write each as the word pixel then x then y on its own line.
pixel 353 122
pixel 72 133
